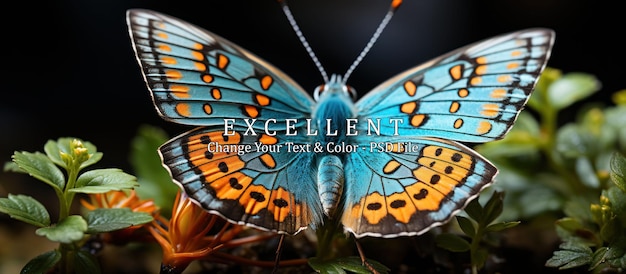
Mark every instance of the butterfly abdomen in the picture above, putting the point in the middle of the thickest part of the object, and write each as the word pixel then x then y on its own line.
pixel 330 180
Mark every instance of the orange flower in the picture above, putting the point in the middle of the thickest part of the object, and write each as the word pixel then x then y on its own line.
pixel 123 199
pixel 193 233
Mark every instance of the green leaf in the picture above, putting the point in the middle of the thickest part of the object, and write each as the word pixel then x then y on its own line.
pixel 42 263
pixel 598 257
pixel 340 265
pixel 619 97
pixel 571 88
pixel 586 172
pixel 618 170
pixel 539 97
pixel 153 178
pixel 474 210
pixel 493 208
pixel 452 242
pixel 466 225
pixel 84 262
pixel 501 226
pixel 54 148
pixel 13 167
pixel 572 254
pixel 25 209
pixel 110 219
pixel 69 230
pixel 104 180
pixel 41 167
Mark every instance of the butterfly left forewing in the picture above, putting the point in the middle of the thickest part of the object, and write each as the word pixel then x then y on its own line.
pixel 405 186
pixel 199 78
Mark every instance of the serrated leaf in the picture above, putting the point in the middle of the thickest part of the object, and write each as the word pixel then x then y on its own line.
pixel 25 209
pixel 110 219
pixel 86 263
pixel 13 167
pixel 69 230
pixel 153 178
pixel 104 180
pixel 572 254
pixel 452 242
pixel 466 225
pixel 42 263
pixel 501 226
pixel 618 170
pixel 571 88
pixel 41 167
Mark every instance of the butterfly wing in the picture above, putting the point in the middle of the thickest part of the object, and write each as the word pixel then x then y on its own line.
pixel 198 78
pixel 472 94
pixel 232 177
pixel 405 186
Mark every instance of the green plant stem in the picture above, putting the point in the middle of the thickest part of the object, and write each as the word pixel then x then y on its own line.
pixel 475 244
pixel 68 196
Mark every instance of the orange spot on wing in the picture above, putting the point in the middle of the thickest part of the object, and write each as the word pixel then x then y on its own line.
pixel 197 55
pixel 456 72
pixel 180 92
pixel 480 70
pixel 197 46
pixel 418 119
pixel 410 88
pixel 483 127
pixel 490 110
pixel 222 61
pixel 481 60
pixel 268 160
pixel 454 107
pixel 251 111
pixel 268 140
pixel 512 65
pixel 208 78
pixel 476 80
pixel 168 60
pixel 266 82
pixel 516 53
pixel 463 93
pixel 173 74
pixel 200 66
pixel 458 123
pixel 504 78
pixel 216 93
pixel 408 108
pixel 161 35
pixel 164 47
pixel 207 109
pixel 391 167
pixel 183 109
pixel 498 93
pixel 262 99
pixel 399 205
pixel 373 216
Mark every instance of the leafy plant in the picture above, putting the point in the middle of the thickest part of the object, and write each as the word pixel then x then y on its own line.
pixel 61 167
pixel 481 221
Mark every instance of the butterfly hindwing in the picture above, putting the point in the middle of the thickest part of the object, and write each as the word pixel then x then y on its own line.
pixel 198 78
pixel 228 175
pixel 473 94
pixel 405 186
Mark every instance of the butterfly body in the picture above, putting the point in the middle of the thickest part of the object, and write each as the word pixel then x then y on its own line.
pixel 390 164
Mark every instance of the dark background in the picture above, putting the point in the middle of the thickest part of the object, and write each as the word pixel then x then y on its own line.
pixel 69 69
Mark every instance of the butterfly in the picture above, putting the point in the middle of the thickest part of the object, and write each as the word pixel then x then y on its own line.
pixel 268 155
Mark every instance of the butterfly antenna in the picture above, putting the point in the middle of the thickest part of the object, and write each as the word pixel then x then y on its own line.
pixel 392 9
pixel 306 45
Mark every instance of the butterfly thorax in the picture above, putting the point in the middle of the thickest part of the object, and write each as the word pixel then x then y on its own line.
pixel 335 107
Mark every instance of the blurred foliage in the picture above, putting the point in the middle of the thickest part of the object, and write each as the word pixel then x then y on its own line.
pixel 572 171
